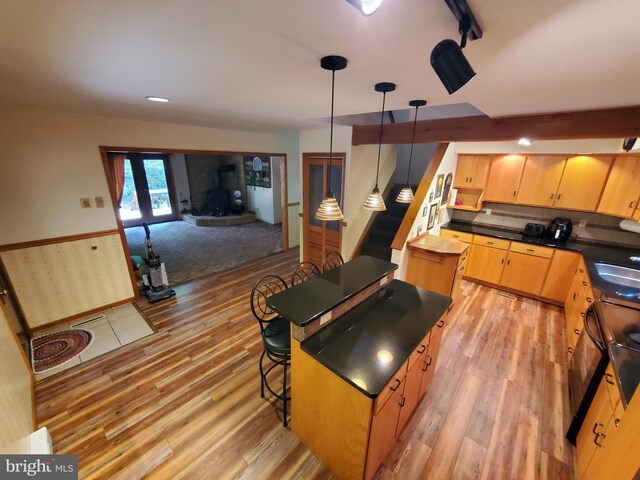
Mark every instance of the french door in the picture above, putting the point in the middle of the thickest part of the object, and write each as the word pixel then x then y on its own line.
pixel 320 237
pixel 148 194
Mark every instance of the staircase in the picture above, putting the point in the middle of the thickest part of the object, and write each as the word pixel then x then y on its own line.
pixel 385 226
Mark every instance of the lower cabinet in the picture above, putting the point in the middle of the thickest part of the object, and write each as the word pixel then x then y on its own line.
pixel 525 272
pixel 486 263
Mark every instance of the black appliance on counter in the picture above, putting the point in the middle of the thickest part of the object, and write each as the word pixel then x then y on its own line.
pixel 559 229
pixel 534 230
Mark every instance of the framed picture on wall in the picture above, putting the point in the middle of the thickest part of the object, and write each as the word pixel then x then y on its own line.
pixel 419 231
pixel 439 183
pixel 441 214
pixel 431 196
pixel 447 188
pixel 433 212
pixel 424 211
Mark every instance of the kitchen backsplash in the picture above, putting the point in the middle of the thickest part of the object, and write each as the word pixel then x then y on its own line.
pixel 599 228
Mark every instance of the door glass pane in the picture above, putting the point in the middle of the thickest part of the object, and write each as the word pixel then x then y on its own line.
pixel 336 186
pixel 158 189
pixel 316 192
pixel 129 206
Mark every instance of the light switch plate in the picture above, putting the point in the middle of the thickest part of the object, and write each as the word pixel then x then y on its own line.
pixel 99 202
pixel 583 223
pixel 85 203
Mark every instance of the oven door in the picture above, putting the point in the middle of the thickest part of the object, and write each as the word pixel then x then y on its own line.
pixel 588 364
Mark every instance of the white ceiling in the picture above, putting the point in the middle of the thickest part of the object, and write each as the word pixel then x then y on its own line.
pixel 255 64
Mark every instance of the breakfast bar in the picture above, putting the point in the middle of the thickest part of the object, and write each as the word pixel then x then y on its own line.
pixel 363 350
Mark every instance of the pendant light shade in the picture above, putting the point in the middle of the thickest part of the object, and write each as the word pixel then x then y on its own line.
pixel 406 194
pixel 329 209
pixel 375 201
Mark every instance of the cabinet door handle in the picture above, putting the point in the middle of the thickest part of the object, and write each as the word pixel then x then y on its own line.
pixel 576 331
pixel 514 193
pixel 581 270
pixel 461 269
pixel 582 314
pixel 595 426
pixel 616 421
pixel 551 197
pixel 402 400
pixel 632 203
pixel 508 262
pixel 589 300
pixel 423 349
pixel 456 236
pixel 608 377
pixel 470 179
pixel 574 296
pixel 440 324
pixel 584 284
pixel 489 243
pixel 558 197
pixel 394 388
pixel 598 435
pixel 570 350
pixel 427 364
pixel 530 250
pixel 502 261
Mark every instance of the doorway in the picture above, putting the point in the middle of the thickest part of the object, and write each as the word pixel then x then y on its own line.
pixel 147 193
pixel 319 236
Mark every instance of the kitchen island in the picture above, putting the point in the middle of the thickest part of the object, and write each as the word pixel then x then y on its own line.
pixel 363 364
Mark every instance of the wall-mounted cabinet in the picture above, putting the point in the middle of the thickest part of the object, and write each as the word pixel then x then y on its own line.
pixel 504 178
pixel 622 190
pixel 471 171
pixel 582 182
pixel 540 180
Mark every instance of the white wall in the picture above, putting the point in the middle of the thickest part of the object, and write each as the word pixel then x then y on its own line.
pixel 16 414
pixel 180 179
pixel 266 203
pixel 49 159
pixel 448 165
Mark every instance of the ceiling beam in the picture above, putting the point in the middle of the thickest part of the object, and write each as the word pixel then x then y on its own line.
pixel 611 123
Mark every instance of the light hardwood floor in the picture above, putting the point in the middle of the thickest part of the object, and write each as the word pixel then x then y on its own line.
pixel 185 403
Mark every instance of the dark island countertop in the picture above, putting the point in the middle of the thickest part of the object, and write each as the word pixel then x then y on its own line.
pixel 591 252
pixel 368 344
pixel 309 300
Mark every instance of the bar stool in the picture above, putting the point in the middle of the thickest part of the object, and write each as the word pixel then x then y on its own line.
pixel 304 271
pixel 274 329
pixel 331 261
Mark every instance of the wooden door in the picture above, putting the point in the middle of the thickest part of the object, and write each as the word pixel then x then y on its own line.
pixel 622 191
pixel 563 267
pixel 595 422
pixel 504 178
pixel 525 273
pixel 383 429
pixel 582 182
pixel 320 237
pixel 486 263
pixel 540 180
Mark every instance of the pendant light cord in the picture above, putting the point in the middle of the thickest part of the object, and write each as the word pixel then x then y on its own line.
pixel 333 82
pixel 384 96
pixel 413 138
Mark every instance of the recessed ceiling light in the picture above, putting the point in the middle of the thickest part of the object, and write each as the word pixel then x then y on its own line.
pixel 366 6
pixel 157 99
pixel 525 142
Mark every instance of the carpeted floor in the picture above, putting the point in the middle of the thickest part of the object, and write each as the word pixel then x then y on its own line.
pixel 191 252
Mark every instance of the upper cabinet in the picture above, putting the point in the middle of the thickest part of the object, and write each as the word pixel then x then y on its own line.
pixel 582 182
pixel 471 171
pixel 540 180
pixel 622 191
pixel 504 178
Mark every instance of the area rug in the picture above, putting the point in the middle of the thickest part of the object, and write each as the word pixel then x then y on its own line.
pixel 191 252
pixel 54 349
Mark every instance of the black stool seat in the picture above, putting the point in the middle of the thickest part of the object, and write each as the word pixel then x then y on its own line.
pixel 276 336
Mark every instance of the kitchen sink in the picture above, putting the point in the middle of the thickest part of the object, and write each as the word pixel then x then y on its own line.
pixel 623 276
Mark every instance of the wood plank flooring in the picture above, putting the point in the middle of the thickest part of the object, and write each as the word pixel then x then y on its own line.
pixel 185 403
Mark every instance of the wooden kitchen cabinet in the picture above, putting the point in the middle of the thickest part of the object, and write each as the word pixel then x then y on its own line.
pixel 540 180
pixel 582 182
pixel 504 178
pixel 411 395
pixel 455 235
pixel 471 171
pixel 558 282
pixel 622 190
pixel 525 272
pixel 486 263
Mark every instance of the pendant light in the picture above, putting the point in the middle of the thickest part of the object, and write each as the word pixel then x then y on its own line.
pixel 329 209
pixel 375 201
pixel 406 194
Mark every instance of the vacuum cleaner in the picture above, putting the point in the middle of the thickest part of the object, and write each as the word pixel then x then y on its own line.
pixel 156 276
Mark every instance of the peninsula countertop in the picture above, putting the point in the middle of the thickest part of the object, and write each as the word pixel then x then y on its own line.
pixel 309 300
pixel 368 344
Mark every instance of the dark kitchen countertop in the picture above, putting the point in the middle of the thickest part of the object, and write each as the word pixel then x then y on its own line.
pixel 592 253
pixel 309 300
pixel 394 320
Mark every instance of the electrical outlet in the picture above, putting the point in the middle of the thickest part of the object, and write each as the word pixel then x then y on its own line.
pixel 583 223
pixel 488 211
pixel 99 202
pixel 85 203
